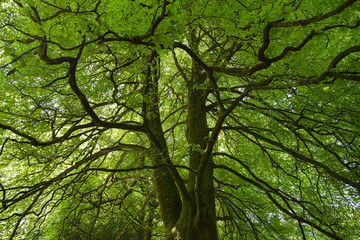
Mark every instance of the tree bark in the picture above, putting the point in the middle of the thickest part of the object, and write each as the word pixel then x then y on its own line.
pixel 198 217
pixel 167 191
pixel 188 212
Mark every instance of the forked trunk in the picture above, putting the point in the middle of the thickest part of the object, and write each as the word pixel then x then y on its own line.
pixel 187 211
pixel 196 223
pixel 198 218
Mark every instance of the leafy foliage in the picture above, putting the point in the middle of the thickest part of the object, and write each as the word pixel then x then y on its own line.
pixel 149 119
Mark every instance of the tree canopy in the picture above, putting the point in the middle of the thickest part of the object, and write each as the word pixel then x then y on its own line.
pixel 180 119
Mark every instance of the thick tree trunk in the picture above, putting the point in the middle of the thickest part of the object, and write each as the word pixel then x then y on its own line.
pixel 205 220
pixel 166 187
pixel 188 213
pixel 198 219
pixel 197 134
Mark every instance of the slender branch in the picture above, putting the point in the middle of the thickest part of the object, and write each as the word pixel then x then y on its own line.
pixel 137 214
pixel 318 18
pixel 299 156
pixel 140 168
pixel 26 212
pixel 342 55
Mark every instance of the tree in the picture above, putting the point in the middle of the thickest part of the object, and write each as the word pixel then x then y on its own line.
pixel 228 119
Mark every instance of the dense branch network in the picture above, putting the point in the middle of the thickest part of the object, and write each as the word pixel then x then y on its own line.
pixel 113 100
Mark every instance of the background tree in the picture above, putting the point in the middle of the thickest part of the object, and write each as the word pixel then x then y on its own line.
pixel 141 119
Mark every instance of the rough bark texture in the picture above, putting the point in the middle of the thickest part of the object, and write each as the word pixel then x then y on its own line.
pixel 202 188
pixel 188 212
pixel 198 219
pixel 167 191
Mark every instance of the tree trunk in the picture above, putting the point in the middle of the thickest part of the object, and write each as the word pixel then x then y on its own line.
pixel 188 212
pixel 167 191
pixel 198 219
pixel 201 185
